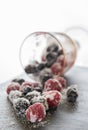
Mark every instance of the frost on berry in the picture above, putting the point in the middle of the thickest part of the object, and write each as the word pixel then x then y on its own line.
pixel 52 84
pixel 35 112
pixel 12 86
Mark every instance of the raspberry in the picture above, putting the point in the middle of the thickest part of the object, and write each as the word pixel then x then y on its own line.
pixel 53 98
pixel 52 84
pixel 35 84
pixel 60 60
pixel 12 86
pixel 62 81
pixel 56 68
pixel 36 112
pixel 27 83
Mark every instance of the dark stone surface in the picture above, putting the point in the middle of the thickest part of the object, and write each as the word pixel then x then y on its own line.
pixel 66 117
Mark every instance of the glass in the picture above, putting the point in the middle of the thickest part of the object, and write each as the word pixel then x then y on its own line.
pixel 80 36
pixel 50 54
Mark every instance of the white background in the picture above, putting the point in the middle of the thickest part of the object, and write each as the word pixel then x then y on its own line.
pixel 18 18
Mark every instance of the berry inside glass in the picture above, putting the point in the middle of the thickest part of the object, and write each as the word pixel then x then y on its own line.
pixel 45 55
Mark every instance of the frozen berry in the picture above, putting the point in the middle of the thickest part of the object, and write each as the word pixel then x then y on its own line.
pixel 12 86
pixel 25 85
pixel 60 52
pixel 60 60
pixel 40 99
pixel 51 58
pixel 20 105
pixel 32 94
pixel 41 66
pixel 31 69
pixel 53 98
pixel 72 94
pixel 56 68
pixel 52 84
pixel 39 89
pixel 52 48
pixel 20 81
pixel 26 90
pixel 14 95
pixel 62 81
pixel 36 112
pixel 32 84
pixel 45 76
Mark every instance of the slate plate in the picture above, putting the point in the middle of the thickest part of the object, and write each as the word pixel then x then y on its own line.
pixel 66 117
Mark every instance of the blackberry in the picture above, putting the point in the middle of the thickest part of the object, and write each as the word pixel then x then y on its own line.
pixel 60 52
pixel 20 81
pixel 41 66
pixel 51 58
pixel 44 77
pixel 31 69
pixel 20 105
pixel 39 89
pixel 53 48
pixel 72 94
pixel 26 90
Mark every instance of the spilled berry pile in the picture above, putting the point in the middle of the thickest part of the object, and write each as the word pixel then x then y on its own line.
pixel 32 101
pixel 52 59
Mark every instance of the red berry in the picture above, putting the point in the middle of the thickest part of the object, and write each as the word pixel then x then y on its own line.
pixel 36 112
pixel 53 98
pixel 35 84
pixel 12 86
pixel 29 84
pixel 60 60
pixel 56 68
pixel 52 84
pixel 62 81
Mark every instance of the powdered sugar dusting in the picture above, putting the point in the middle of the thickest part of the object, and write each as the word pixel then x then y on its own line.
pixel 33 117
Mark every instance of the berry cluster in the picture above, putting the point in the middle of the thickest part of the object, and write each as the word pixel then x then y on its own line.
pixel 32 101
pixel 52 59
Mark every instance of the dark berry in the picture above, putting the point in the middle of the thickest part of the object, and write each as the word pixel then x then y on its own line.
pixel 39 89
pixel 20 105
pixel 44 77
pixel 60 52
pixel 52 48
pixel 31 69
pixel 51 58
pixel 72 95
pixel 20 81
pixel 41 66
pixel 26 90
